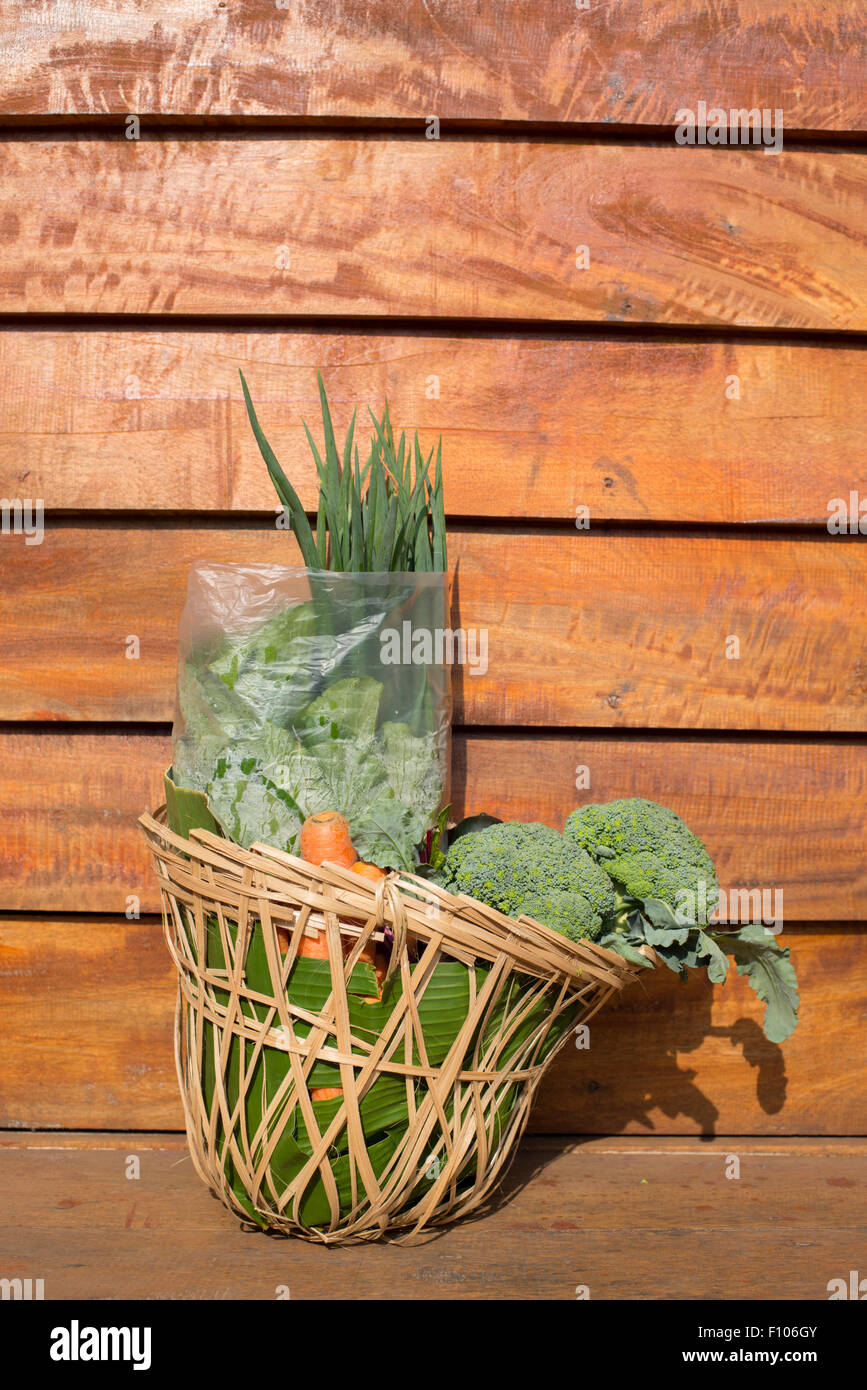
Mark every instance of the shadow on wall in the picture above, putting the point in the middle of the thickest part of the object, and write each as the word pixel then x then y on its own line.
pixel 637 1068
pixel 636 1076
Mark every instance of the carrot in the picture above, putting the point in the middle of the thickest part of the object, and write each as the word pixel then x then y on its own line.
pixel 371 871
pixel 369 952
pixel 374 873
pixel 381 968
pixel 315 948
pixel 325 837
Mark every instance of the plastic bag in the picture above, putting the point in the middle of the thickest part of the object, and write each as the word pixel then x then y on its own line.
pixel 305 690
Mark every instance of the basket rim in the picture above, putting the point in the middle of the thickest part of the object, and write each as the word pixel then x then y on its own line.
pixel 535 946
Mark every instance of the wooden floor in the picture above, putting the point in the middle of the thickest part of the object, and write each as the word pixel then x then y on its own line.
pixel 626 1218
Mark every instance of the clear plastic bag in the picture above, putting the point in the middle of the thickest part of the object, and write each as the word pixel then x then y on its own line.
pixel 305 690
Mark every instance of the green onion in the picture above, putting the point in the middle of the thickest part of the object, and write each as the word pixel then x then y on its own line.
pixel 387 515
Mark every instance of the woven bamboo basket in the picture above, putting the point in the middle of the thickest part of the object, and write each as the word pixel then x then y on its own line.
pixel 436 1079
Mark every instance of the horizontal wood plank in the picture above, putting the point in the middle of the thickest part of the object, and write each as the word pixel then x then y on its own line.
pixel 634 62
pixel 531 426
pixel 456 227
pixel 88 1006
pixel 626 1219
pixel 763 808
pixel 673 1058
pixel 585 629
pixel 784 815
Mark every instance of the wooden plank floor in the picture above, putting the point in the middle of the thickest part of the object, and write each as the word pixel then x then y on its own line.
pixel 627 1218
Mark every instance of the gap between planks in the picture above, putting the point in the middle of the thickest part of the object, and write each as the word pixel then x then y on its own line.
pixel 625 1146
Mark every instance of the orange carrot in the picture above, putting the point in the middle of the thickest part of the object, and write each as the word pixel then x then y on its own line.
pixel 312 947
pixel 369 952
pixel 381 968
pixel 365 870
pixel 325 836
pixel 374 873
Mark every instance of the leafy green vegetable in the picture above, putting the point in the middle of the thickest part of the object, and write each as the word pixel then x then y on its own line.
pixel 386 780
pixel 717 965
pixel 435 853
pixel 754 949
pixel 626 944
pixel 284 489
pixel 270 668
pixel 770 972
pixel 281 716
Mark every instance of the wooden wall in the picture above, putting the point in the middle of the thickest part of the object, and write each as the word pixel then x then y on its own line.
pixel 700 387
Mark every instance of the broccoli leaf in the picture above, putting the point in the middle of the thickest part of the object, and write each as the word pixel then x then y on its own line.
pixel 770 973
pixel 671 954
pixel 470 824
pixel 717 965
pixel 626 947
pixel 696 951
pixel 663 928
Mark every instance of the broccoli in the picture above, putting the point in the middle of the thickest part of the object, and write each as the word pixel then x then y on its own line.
pixel 531 869
pixel 569 913
pixel 649 852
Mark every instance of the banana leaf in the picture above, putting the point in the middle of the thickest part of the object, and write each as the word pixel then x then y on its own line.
pixel 188 810
pixel 315 1208
pixel 511 1003
pixel 384 1105
pixel 442 1009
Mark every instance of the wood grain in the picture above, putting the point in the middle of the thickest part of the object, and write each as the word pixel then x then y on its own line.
pixel 457 228
pixel 531 425
pixel 777 815
pixel 763 808
pixel 88 1006
pixel 672 1058
pixel 588 629
pixel 631 61
pixel 627 1219
pixel 68 811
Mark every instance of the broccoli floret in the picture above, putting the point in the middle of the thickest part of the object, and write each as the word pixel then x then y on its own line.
pixel 531 869
pixel 649 852
pixel 568 913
